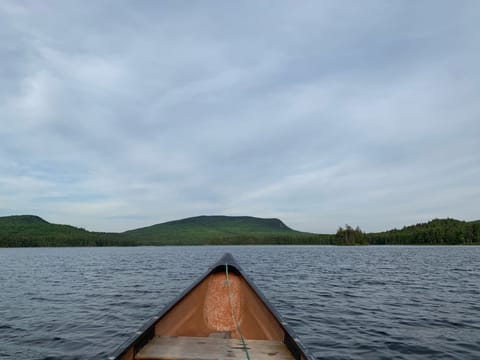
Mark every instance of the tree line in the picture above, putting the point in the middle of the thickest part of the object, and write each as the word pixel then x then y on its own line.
pixel 435 232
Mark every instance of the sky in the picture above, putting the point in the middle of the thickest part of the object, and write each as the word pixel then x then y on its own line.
pixel 118 114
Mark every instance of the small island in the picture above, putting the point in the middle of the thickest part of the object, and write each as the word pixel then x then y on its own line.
pixel 33 231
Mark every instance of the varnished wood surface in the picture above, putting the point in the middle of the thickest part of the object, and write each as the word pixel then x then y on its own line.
pixel 215 308
pixel 207 309
pixel 208 348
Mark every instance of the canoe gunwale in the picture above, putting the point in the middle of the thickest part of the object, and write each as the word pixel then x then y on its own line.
pixel 147 331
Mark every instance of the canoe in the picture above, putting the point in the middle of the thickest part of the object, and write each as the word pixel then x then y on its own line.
pixel 221 316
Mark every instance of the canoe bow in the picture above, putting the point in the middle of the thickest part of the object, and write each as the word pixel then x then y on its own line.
pixel 216 319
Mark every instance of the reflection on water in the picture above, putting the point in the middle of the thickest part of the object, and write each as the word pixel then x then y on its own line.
pixel 343 302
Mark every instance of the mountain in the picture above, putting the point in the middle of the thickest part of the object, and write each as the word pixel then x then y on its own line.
pixel 30 230
pixel 19 220
pixel 30 225
pixel 215 229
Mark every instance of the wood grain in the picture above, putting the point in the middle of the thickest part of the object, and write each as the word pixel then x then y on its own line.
pixel 207 348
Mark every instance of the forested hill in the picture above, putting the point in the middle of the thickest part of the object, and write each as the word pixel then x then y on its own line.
pixel 28 230
pixel 215 229
pixel 435 232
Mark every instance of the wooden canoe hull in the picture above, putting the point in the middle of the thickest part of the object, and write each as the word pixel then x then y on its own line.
pixel 211 307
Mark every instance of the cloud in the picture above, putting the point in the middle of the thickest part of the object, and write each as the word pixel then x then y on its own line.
pixel 116 116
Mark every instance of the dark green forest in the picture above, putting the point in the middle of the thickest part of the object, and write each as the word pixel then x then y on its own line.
pixel 435 232
pixel 33 231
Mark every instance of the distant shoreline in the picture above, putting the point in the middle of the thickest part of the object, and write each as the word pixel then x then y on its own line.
pixel 22 231
pixel 220 245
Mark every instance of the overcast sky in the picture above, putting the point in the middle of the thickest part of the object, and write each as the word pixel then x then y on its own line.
pixel 121 114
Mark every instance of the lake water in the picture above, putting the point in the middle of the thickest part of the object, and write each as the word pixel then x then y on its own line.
pixel 344 302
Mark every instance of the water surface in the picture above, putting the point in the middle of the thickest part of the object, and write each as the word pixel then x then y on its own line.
pixel 344 302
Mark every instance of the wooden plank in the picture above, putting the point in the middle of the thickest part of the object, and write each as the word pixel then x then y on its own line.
pixel 207 348
pixel 221 335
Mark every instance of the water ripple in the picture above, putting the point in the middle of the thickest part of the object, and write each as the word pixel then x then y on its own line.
pixel 344 302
